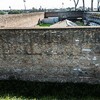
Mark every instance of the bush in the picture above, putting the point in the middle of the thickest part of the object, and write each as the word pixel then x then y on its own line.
pixel 15 12
pixel 2 12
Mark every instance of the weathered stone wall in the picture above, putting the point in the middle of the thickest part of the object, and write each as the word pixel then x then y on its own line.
pixel 62 55
pixel 65 15
pixel 21 20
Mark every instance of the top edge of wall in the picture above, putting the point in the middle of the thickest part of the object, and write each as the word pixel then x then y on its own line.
pixel 75 27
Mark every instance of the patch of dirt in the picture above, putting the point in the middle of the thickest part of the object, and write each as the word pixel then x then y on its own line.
pixel 20 20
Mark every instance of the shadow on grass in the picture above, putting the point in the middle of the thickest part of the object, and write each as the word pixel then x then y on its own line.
pixel 60 91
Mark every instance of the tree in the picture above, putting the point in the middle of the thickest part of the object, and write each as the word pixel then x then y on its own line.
pixel 15 12
pixel 10 7
pixel 83 5
pixel 91 5
pixel 24 4
pixel 76 3
pixel 98 8
pixel 34 9
pixel 2 12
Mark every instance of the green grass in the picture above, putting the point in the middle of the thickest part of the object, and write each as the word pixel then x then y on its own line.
pixel 21 90
pixel 45 25
pixel 79 23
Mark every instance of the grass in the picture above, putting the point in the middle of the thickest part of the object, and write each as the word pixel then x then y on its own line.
pixel 79 23
pixel 45 25
pixel 21 90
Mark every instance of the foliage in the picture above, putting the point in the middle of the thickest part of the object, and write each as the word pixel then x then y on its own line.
pixel 25 90
pixel 38 10
pixel 34 9
pixel 79 23
pixel 15 12
pixel 2 12
pixel 44 25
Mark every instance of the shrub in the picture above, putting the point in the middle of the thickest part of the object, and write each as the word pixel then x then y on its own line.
pixel 2 12
pixel 15 12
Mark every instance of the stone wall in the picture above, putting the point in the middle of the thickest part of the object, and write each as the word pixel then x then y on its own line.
pixel 21 20
pixel 65 15
pixel 54 55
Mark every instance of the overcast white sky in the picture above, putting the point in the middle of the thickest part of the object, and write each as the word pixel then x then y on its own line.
pixel 18 4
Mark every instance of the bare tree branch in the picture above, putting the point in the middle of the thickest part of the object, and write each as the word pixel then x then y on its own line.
pixel 76 3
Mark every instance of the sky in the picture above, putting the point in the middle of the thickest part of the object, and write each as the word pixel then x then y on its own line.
pixel 18 4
